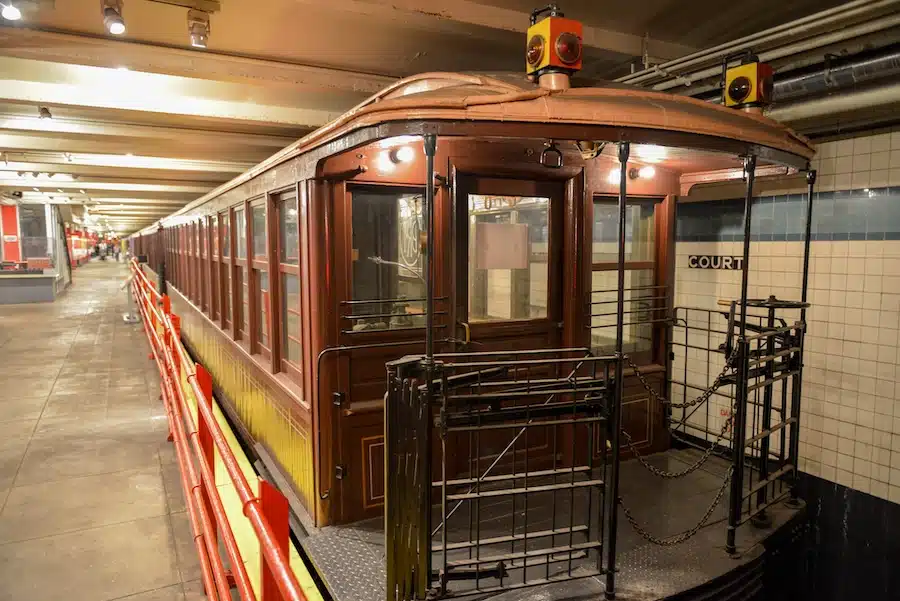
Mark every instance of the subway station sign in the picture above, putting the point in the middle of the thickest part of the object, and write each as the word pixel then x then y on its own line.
pixel 715 262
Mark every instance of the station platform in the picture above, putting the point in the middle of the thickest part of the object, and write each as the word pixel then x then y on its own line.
pixel 91 507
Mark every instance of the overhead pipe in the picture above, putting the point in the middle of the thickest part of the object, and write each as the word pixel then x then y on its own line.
pixel 827 39
pixel 830 19
pixel 840 76
pixel 833 104
pixel 851 73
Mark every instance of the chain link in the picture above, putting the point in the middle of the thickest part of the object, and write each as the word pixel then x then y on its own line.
pixel 687 534
pixel 717 383
pixel 691 468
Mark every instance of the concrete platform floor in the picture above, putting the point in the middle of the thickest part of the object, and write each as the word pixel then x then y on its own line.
pixel 91 507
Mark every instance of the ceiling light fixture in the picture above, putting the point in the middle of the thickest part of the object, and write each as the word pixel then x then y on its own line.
pixel 112 16
pixel 10 12
pixel 198 27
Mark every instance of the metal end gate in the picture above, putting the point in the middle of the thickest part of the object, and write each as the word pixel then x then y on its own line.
pixel 497 470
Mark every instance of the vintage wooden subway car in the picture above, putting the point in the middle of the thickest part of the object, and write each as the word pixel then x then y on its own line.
pixel 298 280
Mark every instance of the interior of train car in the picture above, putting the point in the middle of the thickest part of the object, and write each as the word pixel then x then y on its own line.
pixel 479 274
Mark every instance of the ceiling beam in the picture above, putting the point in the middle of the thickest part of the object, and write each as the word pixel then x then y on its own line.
pixel 78 145
pixel 13 122
pixel 83 49
pixel 90 184
pixel 45 83
pixel 117 161
pixel 94 171
pixel 461 16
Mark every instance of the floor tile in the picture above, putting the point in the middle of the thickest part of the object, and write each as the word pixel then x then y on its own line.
pixel 169 593
pixel 91 565
pixel 47 461
pixel 77 503
pixel 185 549
pixel 10 460
pixel 15 407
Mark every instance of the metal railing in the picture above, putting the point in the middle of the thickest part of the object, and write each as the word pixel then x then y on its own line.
pixel 757 401
pixel 520 497
pixel 266 511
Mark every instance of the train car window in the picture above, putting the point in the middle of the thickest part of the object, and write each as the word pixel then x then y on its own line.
pixel 214 291
pixel 289 273
pixel 225 228
pixel 290 318
pixel 260 275
pixel 508 257
pixel 201 266
pixel 241 237
pixel 289 231
pixel 258 231
pixel 388 265
pixel 243 309
pixel 262 302
pixel 640 276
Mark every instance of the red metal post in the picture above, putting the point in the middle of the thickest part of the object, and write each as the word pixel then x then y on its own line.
pixel 176 339
pixel 166 304
pixel 274 507
pixel 204 380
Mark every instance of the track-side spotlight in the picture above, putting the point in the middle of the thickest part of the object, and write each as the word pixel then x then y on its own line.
pixel 198 27
pixel 112 16
pixel 10 12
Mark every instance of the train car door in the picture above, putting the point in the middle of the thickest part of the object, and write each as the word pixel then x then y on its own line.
pixel 507 282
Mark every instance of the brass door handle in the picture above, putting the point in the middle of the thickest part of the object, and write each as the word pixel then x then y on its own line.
pixel 468 331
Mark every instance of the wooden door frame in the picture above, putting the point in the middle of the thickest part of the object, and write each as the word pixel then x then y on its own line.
pixel 556 188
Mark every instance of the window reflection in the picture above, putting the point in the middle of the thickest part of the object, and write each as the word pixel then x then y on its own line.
pixel 388 263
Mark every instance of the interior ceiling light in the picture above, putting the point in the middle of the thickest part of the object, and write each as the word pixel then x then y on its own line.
pixel 10 12
pixel 112 16
pixel 198 27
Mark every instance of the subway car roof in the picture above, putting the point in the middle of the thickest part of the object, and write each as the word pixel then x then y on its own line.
pixel 599 113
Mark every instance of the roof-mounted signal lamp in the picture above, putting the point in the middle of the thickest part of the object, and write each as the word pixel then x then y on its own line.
pixel 749 85
pixel 554 47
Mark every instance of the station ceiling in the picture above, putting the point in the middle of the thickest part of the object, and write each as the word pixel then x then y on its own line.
pixel 143 123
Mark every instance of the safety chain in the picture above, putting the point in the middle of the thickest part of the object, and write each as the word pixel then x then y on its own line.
pixel 729 363
pixel 687 534
pixel 691 468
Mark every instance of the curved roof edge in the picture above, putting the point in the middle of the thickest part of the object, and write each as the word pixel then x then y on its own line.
pixel 459 96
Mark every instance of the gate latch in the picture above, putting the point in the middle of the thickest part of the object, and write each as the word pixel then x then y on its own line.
pixel 339 472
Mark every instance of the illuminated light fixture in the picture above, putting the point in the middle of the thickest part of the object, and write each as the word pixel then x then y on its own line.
pixel 112 16
pixel 198 27
pixel 122 69
pixel 651 153
pixel 647 172
pixel 44 113
pixel 613 177
pixel 404 154
pixel 10 12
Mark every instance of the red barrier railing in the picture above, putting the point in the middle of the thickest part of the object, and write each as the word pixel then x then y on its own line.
pixel 267 512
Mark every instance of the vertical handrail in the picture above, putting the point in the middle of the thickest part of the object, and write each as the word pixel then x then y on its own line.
pixel 740 413
pixel 615 421
pixel 794 453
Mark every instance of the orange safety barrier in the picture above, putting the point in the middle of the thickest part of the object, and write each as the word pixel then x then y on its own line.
pixel 266 513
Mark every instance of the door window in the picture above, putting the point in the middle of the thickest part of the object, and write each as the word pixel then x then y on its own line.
pixel 508 257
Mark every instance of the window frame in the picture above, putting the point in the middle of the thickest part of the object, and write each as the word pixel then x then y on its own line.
pixel 225 267
pixel 653 265
pixel 279 361
pixel 239 281
pixel 256 264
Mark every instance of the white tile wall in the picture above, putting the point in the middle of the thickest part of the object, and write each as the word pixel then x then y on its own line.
pixel 850 419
